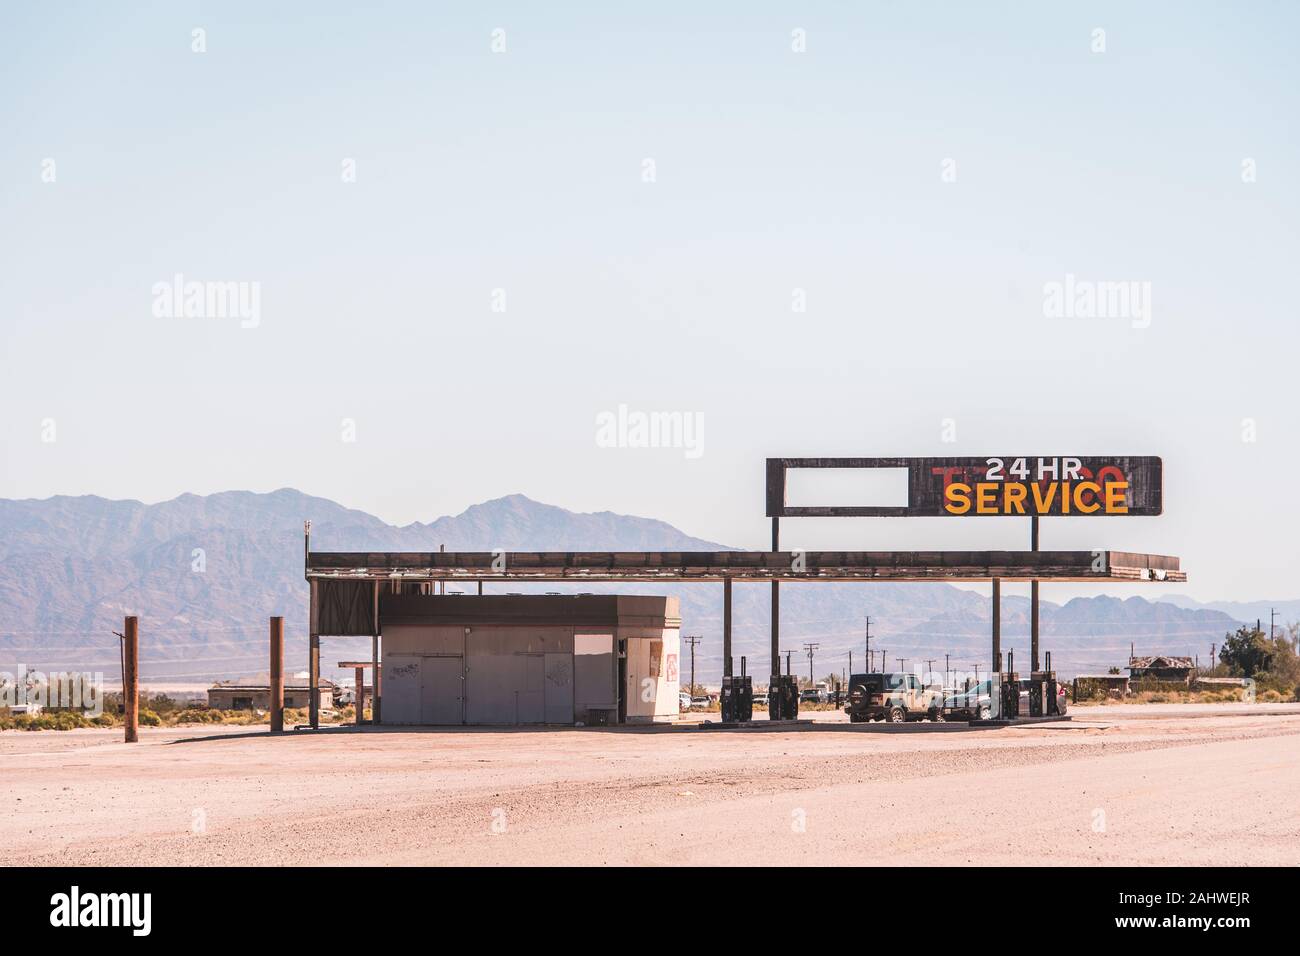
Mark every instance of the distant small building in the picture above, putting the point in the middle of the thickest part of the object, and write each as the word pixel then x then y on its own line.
pixel 1165 669
pixel 254 693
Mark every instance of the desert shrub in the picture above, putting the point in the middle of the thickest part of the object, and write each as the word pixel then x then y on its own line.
pixel 149 719
pixel 50 720
pixel 159 703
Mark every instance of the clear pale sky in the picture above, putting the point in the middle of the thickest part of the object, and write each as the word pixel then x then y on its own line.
pixel 775 170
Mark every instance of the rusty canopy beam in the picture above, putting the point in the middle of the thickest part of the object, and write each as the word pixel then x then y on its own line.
pixel 583 566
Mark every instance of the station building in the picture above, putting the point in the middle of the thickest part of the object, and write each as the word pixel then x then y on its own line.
pixel 517 659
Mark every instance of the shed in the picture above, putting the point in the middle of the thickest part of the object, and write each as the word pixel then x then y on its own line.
pixel 254 693
pixel 1161 668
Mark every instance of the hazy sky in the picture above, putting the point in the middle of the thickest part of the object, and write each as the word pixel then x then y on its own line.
pixel 471 253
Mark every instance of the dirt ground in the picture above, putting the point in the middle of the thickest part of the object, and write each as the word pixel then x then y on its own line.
pixel 1158 784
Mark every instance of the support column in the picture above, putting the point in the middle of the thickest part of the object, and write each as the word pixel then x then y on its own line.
pixel 997 625
pixel 313 660
pixel 277 675
pixel 1033 598
pixel 376 687
pixel 131 678
pixel 360 695
pixel 726 627
pixel 776 604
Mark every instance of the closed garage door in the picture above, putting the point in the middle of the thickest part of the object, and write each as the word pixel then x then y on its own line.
pixel 518 676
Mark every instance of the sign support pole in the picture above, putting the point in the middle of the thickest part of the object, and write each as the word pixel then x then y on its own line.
pixel 1033 597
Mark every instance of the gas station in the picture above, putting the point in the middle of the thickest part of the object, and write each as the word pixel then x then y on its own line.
pixel 357 593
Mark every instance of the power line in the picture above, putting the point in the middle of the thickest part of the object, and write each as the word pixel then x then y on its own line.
pixel 692 640
pixel 810 648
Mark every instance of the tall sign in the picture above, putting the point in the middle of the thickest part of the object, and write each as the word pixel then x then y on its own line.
pixel 1005 485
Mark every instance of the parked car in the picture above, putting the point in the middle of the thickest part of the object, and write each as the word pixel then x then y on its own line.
pixel 977 704
pixel 702 700
pixel 892 696
pixel 973 703
pixel 683 701
pixel 760 699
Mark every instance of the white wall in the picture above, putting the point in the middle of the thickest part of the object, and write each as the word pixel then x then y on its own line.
pixel 660 684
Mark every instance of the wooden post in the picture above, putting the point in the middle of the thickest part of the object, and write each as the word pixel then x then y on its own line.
pixel 726 627
pixel 360 695
pixel 277 675
pixel 131 678
pixel 997 625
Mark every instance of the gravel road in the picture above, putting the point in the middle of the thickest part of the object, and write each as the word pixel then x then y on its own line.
pixel 1145 785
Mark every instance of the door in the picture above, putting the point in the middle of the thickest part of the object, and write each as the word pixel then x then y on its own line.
pixel 441 691
pixel 559 688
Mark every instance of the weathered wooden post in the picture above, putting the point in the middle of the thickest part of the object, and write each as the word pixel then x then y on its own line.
pixel 277 675
pixel 131 678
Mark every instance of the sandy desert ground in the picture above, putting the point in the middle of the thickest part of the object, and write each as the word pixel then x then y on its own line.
pixel 1153 784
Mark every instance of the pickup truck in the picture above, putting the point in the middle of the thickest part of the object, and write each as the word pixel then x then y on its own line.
pixel 892 696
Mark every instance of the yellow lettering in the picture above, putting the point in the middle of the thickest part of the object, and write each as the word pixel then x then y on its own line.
pixel 1043 505
pixel 957 498
pixel 984 503
pixel 1116 502
pixel 1015 499
pixel 1079 489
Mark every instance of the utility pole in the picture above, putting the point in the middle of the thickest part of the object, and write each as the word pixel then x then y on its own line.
pixel 929 667
pixel 131 678
pixel 810 648
pixel 868 641
pixel 902 663
pixel 1272 625
pixel 692 640
pixel 945 670
pixel 850 662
